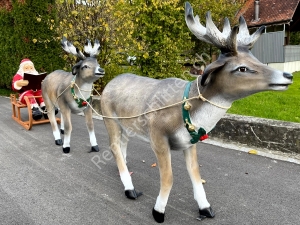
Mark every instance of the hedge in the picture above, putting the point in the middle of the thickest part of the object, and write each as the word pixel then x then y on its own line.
pixel 26 33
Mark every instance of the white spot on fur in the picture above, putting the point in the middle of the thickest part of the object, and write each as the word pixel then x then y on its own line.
pixel 93 138
pixel 126 180
pixel 56 134
pixel 161 203
pixel 200 196
pixel 66 141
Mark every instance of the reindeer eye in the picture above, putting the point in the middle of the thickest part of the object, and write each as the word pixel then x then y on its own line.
pixel 84 67
pixel 242 69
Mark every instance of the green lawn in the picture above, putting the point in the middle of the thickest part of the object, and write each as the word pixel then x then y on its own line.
pixel 277 105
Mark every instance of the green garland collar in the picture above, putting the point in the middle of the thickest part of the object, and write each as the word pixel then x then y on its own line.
pixel 186 106
pixel 80 102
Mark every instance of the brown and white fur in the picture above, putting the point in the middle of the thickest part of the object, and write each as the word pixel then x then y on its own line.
pixel 56 91
pixel 236 74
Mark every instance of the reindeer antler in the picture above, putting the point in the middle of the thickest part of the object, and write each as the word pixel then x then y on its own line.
pixel 226 41
pixel 244 39
pixel 70 48
pixel 92 51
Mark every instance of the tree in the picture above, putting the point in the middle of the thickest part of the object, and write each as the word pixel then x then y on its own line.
pixel 219 10
pixel 153 31
pixel 26 33
pixel 295 38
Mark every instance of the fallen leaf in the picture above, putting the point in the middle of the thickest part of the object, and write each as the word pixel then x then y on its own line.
pixel 203 181
pixel 253 152
pixel 153 165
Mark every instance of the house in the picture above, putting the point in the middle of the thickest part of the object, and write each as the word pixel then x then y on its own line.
pixel 280 18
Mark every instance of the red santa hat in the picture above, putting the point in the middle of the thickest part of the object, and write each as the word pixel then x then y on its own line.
pixel 25 61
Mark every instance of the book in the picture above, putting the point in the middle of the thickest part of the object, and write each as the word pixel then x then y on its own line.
pixel 34 81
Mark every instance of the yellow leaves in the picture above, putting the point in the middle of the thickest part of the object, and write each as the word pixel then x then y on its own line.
pixel 38 19
pixel 76 43
pixel 87 17
pixel 70 26
pixel 74 12
pixel 253 152
pixel 156 54
pixel 65 57
pixel 139 46
pixel 34 40
pixel 146 55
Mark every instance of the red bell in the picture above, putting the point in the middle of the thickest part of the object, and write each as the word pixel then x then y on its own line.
pixel 84 103
pixel 203 137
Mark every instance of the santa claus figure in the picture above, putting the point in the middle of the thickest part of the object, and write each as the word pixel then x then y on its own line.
pixel 37 104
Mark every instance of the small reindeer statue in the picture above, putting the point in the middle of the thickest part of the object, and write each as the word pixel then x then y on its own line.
pixel 203 102
pixel 72 92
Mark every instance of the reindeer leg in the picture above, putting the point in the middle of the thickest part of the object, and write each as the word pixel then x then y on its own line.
pixel 124 142
pixel 115 138
pixel 90 126
pixel 163 155
pixel 62 127
pixel 199 194
pixel 66 117
pixel 51 117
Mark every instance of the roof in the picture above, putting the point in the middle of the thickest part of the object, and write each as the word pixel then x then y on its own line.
pixel 270 12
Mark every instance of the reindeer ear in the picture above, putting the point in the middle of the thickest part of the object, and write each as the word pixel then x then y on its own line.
pixel 210 69
pixel 76 67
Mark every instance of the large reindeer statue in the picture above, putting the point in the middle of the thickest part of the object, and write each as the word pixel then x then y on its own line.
pixel 236 74
pixel 72 92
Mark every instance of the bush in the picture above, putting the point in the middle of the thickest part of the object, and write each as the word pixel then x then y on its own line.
pixel 29 34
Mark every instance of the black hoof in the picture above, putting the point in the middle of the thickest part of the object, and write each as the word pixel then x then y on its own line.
pixel 95 149
pixel 132 194
pixel 62 131
pixel 158 217
pixel 206 213
pixel 58 142
pixel 66 150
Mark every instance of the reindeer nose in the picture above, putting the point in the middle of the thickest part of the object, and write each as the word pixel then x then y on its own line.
pixel 288 76
pixel 100 71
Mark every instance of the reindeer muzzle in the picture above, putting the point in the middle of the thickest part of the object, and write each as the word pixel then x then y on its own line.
pixel 99 72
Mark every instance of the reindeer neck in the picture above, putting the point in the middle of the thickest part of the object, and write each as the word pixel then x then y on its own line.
pixel 81 92
pixel 204 114
pixel 83 85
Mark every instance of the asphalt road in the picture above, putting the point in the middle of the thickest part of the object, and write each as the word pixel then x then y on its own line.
pixel 41 185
